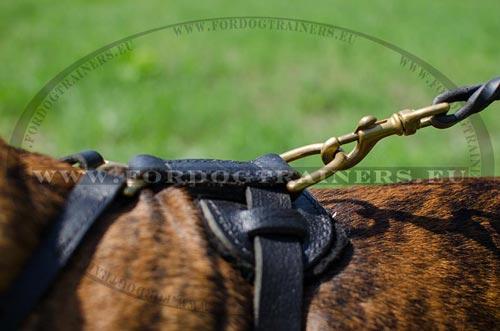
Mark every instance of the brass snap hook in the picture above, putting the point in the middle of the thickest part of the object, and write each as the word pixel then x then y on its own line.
pixel 368 132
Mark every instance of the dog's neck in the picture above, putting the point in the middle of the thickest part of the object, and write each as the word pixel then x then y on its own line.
pixel 27 204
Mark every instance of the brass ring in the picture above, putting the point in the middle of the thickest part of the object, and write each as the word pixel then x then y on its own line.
pixel 329 149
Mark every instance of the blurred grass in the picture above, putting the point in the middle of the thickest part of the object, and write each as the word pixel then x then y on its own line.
pixel 237 94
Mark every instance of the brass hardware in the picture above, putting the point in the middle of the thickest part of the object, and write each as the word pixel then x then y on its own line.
pixel 368 132
pixel 301 152
pixel 111 164
pixel 366 122
pixel 329 148
pixel 133 185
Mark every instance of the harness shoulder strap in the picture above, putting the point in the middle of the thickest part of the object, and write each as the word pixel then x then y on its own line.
pixel 278 262
pixel 86 202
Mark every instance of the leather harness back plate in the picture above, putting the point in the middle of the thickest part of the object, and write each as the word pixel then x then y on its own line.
pixel 274 238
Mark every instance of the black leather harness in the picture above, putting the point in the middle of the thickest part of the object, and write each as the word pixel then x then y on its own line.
pixel 276 238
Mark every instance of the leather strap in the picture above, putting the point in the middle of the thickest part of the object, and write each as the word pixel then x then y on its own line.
pixel 270 233
pixel 84 205
pixel 266 220
pixel 278 265
pixel 87 159
pixel 266 171
pixel 230 223
pixel 274 237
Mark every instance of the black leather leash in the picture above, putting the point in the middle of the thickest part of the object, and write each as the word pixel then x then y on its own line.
pixel 272 236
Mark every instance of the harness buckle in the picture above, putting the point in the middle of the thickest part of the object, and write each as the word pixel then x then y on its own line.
pixel 133 184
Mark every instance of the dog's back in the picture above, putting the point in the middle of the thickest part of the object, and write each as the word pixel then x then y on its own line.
pixel 422 256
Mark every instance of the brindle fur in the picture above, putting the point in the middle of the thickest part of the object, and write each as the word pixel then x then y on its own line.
pixel 422 256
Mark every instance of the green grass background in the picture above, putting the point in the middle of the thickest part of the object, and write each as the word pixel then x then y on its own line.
pixel 238 94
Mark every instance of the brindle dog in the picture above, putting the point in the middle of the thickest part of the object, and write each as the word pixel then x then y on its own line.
pixel 423 256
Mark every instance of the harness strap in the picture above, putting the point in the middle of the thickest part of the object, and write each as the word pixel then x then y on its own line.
pixel 278 263
pixel 84 205
pixel 87 159
pixel 274 236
